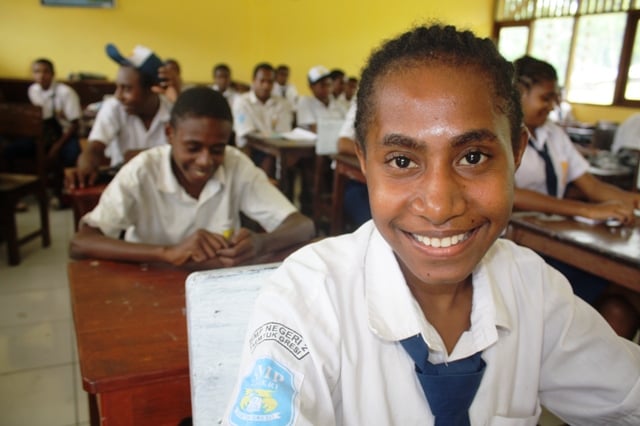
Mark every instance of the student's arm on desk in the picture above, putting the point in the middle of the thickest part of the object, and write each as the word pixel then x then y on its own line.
pixel 599 191
pixel 527 200
pixel 201 246
pixel 89 161
pixel 246 245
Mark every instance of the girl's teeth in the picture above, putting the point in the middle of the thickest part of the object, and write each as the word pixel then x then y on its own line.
pixel 441 242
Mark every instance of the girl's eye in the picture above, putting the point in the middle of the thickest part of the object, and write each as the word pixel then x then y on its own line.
pixel 472 158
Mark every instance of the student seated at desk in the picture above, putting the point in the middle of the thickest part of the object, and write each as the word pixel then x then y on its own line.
pixel 283 88
pixel 222 83
pixel 424 315
pixel 131 121
pixel 61 115
pixel 320 104
pixel 356 196
pixel 180 203
pixel 551 162
pixel 259 112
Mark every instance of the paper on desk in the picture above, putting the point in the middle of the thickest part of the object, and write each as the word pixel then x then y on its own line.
pixel 300 134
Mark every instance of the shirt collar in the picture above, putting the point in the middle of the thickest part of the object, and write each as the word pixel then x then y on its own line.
pixel 393 313
pixel 168 182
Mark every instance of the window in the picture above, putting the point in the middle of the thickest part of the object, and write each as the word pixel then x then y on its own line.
pixel 593 44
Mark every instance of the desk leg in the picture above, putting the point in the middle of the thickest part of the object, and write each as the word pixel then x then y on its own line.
pixel 94 413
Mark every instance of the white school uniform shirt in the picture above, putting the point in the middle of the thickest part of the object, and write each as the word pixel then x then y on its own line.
pixel 289 93
pixel 568 163
pixel 310 110
pixel 250 115
pixel 146 200
pixel 348 129
pixel 322 345
pixel 230 95
pixel 121 131
pixel 66 100
pixel 627 134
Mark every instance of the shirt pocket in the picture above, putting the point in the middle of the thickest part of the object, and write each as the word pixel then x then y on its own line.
pixel 516 421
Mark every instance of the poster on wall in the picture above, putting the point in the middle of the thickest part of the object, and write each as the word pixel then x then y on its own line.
pixel 78 3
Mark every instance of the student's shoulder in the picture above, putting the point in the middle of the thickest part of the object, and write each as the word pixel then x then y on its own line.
pixel 334 258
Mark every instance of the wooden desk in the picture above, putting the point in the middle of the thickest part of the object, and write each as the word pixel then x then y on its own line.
pixel 347 167
pixel 131 334
pixel 611 253
pixel 286 152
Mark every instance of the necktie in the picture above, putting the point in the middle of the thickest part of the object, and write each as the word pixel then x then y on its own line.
pixel 449 387
pixel 284 91
pixel 550 173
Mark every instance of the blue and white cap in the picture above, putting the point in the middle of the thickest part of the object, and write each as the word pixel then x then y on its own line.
pixel 142 58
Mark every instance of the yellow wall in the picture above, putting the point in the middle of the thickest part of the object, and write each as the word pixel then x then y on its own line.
pixel 200 33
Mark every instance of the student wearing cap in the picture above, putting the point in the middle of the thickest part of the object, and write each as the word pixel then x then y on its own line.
pixel 257 111
pixel 283 88
pixel 312 108
pixel 180 203
pixel 132 120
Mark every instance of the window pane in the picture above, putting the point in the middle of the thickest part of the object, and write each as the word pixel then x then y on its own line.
pixel 552 43
pixel 596 58
pixel 512 42
pixel 632 91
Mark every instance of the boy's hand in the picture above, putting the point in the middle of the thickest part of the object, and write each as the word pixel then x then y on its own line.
pixel 199 247
pixel 244 245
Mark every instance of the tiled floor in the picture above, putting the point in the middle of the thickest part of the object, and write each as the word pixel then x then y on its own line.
pixel 39 374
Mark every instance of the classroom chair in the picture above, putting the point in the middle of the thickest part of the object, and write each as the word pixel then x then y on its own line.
pixel 219 304
pixel 18 120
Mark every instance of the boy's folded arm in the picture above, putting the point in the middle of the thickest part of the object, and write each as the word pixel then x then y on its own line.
pixel 90 242
pixel 294 229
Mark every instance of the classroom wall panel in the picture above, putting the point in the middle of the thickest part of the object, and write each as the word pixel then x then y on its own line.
pixel 302 33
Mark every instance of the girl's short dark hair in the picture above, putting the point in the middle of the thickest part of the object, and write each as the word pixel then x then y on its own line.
pixel 439 44
pixel 200 101
pixel 530 71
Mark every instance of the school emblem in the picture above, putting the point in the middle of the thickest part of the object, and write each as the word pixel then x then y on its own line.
pixel 266 397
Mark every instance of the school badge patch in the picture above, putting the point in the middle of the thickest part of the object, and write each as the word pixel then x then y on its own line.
pixel 266 396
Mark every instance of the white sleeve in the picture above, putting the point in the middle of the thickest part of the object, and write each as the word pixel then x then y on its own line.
pixel 116 210
pixel 304 114
pixel 70 104
pixel 287 370
pixel 261 200
pixel 348 129
pixel 107 124
pixel 243 122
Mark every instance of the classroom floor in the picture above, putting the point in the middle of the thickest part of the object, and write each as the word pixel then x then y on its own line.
pixel 39 376
pixel 40 381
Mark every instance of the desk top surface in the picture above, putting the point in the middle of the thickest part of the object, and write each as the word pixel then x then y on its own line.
pixel 619 243
pixel 130 322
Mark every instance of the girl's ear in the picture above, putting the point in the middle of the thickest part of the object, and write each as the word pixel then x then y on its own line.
pixel 522 146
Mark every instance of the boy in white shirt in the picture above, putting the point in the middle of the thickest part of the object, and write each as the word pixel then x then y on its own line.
pixel 180 203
